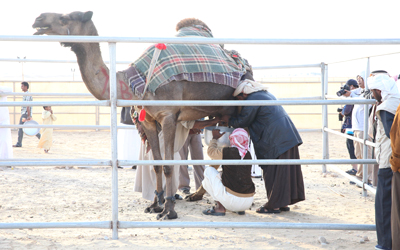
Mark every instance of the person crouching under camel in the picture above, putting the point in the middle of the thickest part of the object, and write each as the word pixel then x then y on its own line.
pixel 234 188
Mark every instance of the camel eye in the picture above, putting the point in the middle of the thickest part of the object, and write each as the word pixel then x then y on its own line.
pixel 64 21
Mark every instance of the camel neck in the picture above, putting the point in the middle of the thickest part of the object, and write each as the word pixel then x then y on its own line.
pixel 95 73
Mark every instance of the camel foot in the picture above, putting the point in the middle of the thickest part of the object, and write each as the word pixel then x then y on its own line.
pixel 194 197
pixel 169 212
pixel 167 215
pixel 152 209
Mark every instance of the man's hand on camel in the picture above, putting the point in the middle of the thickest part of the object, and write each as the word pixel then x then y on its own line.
pixel 196 130
pixel 225 119
pixel 218 120
pixel 217 134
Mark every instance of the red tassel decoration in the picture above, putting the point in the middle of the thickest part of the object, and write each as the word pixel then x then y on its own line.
pixel 161 46
pixel 142 115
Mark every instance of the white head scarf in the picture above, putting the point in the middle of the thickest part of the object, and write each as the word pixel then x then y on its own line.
pixel 362 74
pixel 248 87
pixel 385 84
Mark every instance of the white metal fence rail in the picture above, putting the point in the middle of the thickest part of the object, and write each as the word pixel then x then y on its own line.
pixel 114 224
pixel 97 114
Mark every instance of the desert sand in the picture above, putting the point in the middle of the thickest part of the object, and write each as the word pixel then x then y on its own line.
pixel 58 194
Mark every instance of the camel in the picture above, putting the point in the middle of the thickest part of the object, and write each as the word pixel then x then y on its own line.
pixel 95 75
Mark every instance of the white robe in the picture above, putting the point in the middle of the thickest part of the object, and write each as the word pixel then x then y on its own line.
pixel 213 185
pixel 145 181
pixel 255 169
pixel 6 151
pixel 128 144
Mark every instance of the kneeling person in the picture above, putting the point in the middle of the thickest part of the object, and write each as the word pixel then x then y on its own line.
pixel 234 188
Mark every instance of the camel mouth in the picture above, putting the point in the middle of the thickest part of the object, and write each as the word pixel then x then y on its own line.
pixel 41 30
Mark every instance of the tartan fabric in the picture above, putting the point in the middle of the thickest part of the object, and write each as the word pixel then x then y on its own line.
pixel 137 81
pixel 178 59
pixel 196 30
pixel 229 79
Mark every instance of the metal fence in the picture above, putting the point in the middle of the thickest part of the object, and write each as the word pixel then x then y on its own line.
pixel 113 103
pixel 98 116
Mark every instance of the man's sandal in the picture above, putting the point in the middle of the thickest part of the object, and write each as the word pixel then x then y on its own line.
pixel 211 211
pixel 263 210
pixel 351 172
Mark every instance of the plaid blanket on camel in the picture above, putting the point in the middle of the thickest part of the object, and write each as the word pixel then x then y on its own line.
pixel 191 62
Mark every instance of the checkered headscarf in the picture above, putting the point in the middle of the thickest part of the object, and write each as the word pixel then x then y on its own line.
pixel 240 140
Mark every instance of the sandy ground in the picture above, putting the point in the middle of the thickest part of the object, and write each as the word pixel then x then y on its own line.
pixel 57 194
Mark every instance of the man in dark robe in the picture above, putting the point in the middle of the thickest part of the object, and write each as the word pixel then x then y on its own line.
pixel 275 137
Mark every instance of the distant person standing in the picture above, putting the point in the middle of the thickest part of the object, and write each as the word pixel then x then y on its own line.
pixel 128 139
pixel 26 114
pixel 5 133
pixel 357 121
pixel 347 127
pixel 395 165
pixel 46 140
pixel 387 96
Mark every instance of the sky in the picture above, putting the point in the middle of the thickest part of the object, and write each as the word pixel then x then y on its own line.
pixel 227 19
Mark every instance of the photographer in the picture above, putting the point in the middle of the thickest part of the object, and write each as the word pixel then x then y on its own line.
pixel 358 125
pixel 346 88
pixel 347 111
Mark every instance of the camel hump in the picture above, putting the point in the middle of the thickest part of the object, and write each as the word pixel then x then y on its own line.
pixel 188 22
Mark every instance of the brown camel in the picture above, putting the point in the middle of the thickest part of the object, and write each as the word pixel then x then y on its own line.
pixel 95 75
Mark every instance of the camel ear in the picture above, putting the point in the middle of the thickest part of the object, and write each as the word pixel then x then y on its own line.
pixel 87 16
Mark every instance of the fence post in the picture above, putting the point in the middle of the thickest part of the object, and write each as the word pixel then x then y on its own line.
pixel 114 155
pixel 14 115
pixel 365 147
pixel 327 114
pixel 324 87
pixel 97 116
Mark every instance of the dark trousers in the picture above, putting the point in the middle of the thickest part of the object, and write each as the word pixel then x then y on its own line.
pixel 21 132
pixel 350 148
pixel 396 211
pixel 383 207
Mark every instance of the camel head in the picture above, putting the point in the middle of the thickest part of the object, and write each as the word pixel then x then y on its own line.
pixel 76 23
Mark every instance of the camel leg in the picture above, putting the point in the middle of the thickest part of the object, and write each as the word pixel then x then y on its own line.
pixel 198 195
pixel 152 136
pixel 169 206
pixel 157 205
pixel 168 128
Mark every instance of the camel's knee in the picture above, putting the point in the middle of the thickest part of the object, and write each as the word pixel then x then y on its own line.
pixel 168 171
pixel 157 169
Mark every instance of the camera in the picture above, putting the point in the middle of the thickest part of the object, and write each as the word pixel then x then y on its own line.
pixel 340 114
pixel 343 90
